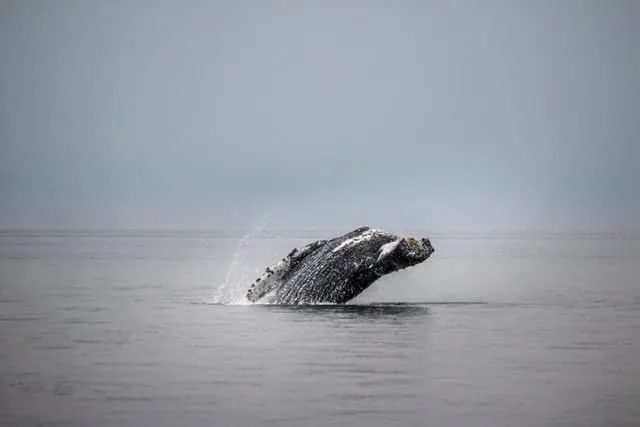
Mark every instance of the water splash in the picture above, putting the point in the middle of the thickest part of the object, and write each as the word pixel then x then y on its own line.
pixel 232 290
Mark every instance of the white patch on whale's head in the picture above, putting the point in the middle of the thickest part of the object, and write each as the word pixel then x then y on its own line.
pixel 387 248
pixel 365 236
pixel 402 253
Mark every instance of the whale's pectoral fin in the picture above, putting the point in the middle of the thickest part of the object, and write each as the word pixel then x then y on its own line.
pixel 273 276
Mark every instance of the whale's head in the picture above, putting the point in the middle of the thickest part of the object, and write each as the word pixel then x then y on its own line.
pixel 403 252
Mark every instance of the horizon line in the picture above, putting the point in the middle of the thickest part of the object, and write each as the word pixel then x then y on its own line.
pixel 268 232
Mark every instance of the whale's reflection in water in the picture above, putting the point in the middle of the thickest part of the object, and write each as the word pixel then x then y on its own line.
pixel 374 310
pixel 355 310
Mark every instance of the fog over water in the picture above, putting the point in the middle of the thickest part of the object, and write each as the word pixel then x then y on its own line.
pixel 432 115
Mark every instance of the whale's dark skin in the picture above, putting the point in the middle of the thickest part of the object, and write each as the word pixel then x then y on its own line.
pixel 337 270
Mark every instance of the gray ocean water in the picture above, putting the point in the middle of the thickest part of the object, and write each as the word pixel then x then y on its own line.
pixel 127 329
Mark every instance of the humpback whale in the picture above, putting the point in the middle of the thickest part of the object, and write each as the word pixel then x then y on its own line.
pixel 337 270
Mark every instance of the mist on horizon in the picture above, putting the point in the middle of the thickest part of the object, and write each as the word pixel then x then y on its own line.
pixel 432 115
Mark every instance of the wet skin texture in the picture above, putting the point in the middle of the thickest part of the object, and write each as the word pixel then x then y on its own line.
pixel 337 270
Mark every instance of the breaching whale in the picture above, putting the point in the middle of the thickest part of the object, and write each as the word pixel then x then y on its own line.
pixel 337 270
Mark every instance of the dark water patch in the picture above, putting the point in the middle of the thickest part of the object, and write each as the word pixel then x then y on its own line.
pixel 135 399
pixel 352 412
pixel 378 396
pixel 88 341
pixel 364 311
pixel 20 319
pixel 99 309
pixel 286 420
pixel 126 365
pixel 80 321
pixel 575 346
pixel 54 347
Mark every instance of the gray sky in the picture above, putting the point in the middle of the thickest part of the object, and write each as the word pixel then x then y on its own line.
pixel 440 115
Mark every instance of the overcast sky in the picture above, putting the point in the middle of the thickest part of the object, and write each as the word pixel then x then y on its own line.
pixel 440 115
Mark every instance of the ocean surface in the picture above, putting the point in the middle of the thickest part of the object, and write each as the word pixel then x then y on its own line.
pixel 149 329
